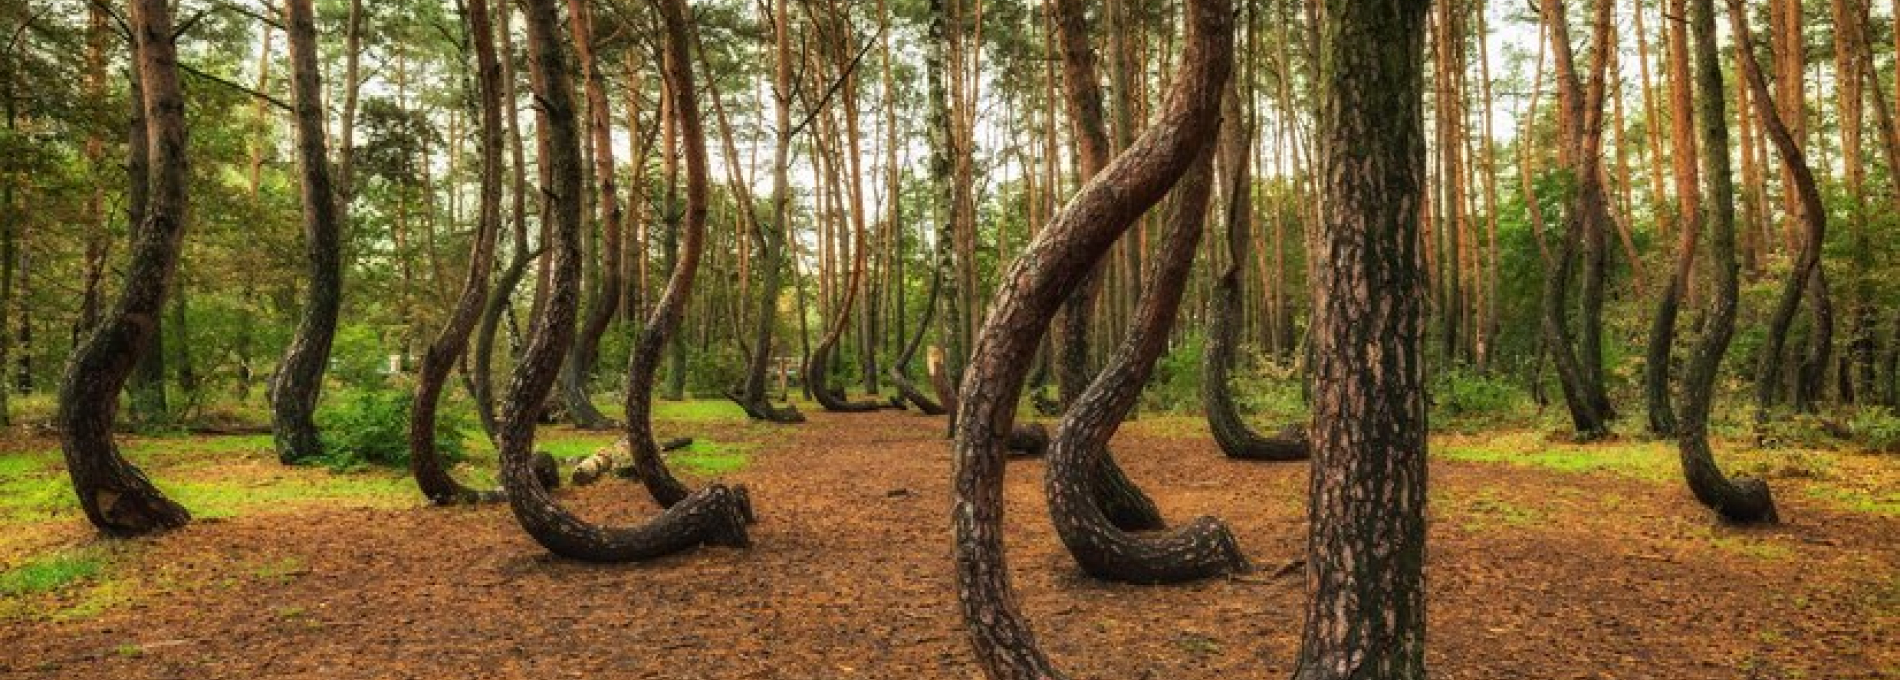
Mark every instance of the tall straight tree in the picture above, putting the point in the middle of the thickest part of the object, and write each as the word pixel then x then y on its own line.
pixel 1741 500
pixel 768 237
pixel 606 299
pixel 424 462
pixel 115 495
pixel 1365 555
pixel 299 381
pixel 1050 270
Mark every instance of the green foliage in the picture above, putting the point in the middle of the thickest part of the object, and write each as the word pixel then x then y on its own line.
pixel 1175 386
pixel 1466 399
pixel 358 358
pixel 1876 428
pixel 372 428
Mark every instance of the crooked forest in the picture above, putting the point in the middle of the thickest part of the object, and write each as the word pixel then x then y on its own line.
pixel 1003 339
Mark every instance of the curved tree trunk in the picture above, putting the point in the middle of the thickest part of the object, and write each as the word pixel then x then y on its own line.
pixel 424 462
pixel 1225 312
pixel 299 380
pixel 899 370
pixel 644 364
pixel 1205 547
pixel 1741 500
pixel 769 241
pixel 586 350
pixel 710 516
pixel 1662 331
pixel 1813 214
pixel 1049 270
pixel 1124 503
pixel 115 495
pixel 818 370
pixel 482 374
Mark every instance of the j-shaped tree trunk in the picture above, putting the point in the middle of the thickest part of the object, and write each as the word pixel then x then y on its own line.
pixel 1740 500
pixel 818 370
pixel 1124 503
pixel 1578 357
pixel 1365 555
pixel 710 516
pixel 1225 313
pixel 299 381
pixel 586 350
pixel 424 462
pixel 1049 270
pixel 900 367
pixel 1203 548
pixel 769 239
pixel 1813 216
pixel 115 495
pixel 481 379
pixel 644 364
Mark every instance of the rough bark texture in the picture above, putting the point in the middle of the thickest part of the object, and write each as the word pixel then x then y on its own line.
pixel 1740 500
pixel 299 381
pixel 1203 548
pixel 481 380
pixel 1662 330
pixel 1049 270
pixel 644 364
pixel 586 350
pixel 1813 215
pixel 1225 313
pixel 1365 560
pixel 115 495
pixel 424 462
pixel 710 516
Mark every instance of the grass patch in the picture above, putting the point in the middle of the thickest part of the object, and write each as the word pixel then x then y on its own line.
pixel 1649 461
pixel 218 498
pixel 708 458
pixel 51 572
pixel 1486 510
pixel 699 411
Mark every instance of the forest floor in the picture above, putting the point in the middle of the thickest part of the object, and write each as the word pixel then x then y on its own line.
pixel 1547 560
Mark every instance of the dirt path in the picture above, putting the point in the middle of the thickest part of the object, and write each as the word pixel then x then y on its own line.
pixel 1533 574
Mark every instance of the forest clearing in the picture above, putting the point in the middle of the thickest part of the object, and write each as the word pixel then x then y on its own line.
pixel 1542 565
pixel 1002 339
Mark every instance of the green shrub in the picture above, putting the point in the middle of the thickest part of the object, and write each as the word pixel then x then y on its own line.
pixel 1463 396
pixel 1876 428
pixel 371 427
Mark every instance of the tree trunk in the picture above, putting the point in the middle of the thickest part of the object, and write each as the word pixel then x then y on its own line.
pixel 769 239
pixel 1203 548
pixel 1813 215
pixel 606 298
pixel 1742 500
pixel 299 381
pixel 1050 270
pixel 424 462
pixel 1365 558
pixel 709 516
pixel 147 397
pixel 115 495
pixel 1662 332
pixel 1226 315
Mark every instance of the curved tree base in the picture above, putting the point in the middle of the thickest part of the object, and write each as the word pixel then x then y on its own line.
pixel 118 497
pixel 1290 444
pixel 713 516
pixel 1204 548
pixel 765 411
pixel 1125 504
pixel 907 392
pixel 1743 500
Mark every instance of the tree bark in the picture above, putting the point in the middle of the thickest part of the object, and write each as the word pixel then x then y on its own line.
pixel 1048 272
pixel 769 239
pixel 424 462
pixel 1742 500
pixel 1365 558
pixel 1226 315
pixel 1662 332
pixel 114 494
pixel 522 256
pixel 299 380
pixel 1205 547
pixel 710 516
pixel 1813 215
pixel 606 298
